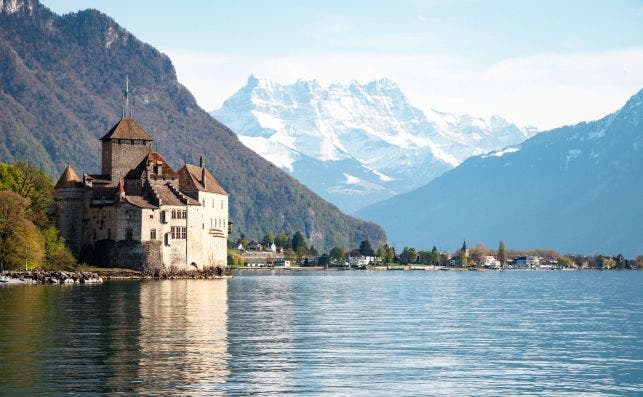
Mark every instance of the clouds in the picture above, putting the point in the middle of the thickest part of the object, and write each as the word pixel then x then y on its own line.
pixel 545 89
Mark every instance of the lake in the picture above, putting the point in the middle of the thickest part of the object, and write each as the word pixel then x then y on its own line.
pixel 329 333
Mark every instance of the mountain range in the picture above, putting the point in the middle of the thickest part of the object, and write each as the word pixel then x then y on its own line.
pixel 355 144
pixel 578 189
pixel 61 88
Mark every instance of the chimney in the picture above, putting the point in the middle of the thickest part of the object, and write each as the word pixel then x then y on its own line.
pixel 203 180
pixel 201 161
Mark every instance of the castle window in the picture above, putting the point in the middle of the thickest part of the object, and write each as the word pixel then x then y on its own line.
pixel 163 215
pixel 128 214
pixel 173 214
pixel 185 214
pixel 153 234
pixel 221 204
pixel 128 233
pixel 167 239
pixel 179 232
pixel 212 203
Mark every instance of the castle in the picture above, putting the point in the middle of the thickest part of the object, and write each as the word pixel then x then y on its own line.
pixel 139 212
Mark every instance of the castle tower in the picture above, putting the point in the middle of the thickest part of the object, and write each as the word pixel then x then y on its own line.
pixel 124 147
pixel 68 200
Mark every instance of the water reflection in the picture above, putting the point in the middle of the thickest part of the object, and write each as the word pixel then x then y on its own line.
pixel 183 338
pixel 329 333
pixel 127 337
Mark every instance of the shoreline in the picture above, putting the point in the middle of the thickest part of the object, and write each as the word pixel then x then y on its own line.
pixel 100 275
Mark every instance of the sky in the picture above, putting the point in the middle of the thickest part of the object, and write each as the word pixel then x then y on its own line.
pixel 537 63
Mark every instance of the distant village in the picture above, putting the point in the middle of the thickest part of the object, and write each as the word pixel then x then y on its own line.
pixel 267 254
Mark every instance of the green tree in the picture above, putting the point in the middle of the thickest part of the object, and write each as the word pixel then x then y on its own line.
pixel 324 260
pixel 283 240
pixel 268 239
pixel 502 253
pixel 57 256
pixel 298 241
pixel 434 259
pixel 366 249
pixel 565 262
pixel 408 255
pixel 20 239
pixel 338 254
pixel 32 184
pixel 464 258
pixel 235 260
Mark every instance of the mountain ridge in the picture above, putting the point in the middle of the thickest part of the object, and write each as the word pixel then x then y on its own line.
pixel 577 188
pixel 61 88
pixel 389 145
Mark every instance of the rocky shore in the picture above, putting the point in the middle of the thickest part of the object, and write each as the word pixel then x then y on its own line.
pixel 120 274
pixel 49 277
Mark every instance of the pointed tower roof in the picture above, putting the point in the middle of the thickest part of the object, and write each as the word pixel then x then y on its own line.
pixel 69 178
pixel 120 187
pixel 127 128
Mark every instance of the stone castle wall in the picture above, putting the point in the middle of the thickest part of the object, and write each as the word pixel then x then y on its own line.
pixel 119 156
pixel 69 216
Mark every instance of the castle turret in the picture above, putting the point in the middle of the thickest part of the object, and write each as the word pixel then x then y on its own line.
pixel 68 199
pixel 120 191
pixel 124 147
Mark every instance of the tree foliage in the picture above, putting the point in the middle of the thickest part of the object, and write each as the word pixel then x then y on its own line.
pixel 338 254
pixel 366 249
pixel 27 231
pixel 502 253
pixel 234 259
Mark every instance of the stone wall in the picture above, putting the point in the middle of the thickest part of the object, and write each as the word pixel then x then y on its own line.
pixel 121 155
pixel 69 216
pixel 128 254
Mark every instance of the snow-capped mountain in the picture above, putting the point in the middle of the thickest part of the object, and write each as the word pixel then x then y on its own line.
pixel 356 144
pixel 578 189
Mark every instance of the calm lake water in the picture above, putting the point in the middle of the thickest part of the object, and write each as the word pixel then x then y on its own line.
pixel 329 333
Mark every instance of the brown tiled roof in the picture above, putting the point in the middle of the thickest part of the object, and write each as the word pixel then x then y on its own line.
pixel 69 178
pixel 191 177
pixel 169 196
pixel 127 128
pixel 152 158
pixel 139 201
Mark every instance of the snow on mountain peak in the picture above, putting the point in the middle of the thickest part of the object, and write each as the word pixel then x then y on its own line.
pixel 369 125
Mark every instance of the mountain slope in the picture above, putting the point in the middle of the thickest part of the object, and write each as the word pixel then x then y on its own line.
pixel 61 82
pixel 370 142
pixel 577 188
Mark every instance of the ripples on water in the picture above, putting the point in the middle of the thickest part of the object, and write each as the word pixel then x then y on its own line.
pixel 342 333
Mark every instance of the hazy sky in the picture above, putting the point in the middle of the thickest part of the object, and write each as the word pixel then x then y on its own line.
pixel 540 63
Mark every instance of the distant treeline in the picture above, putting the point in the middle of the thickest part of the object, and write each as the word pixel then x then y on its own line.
pixel 297 248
